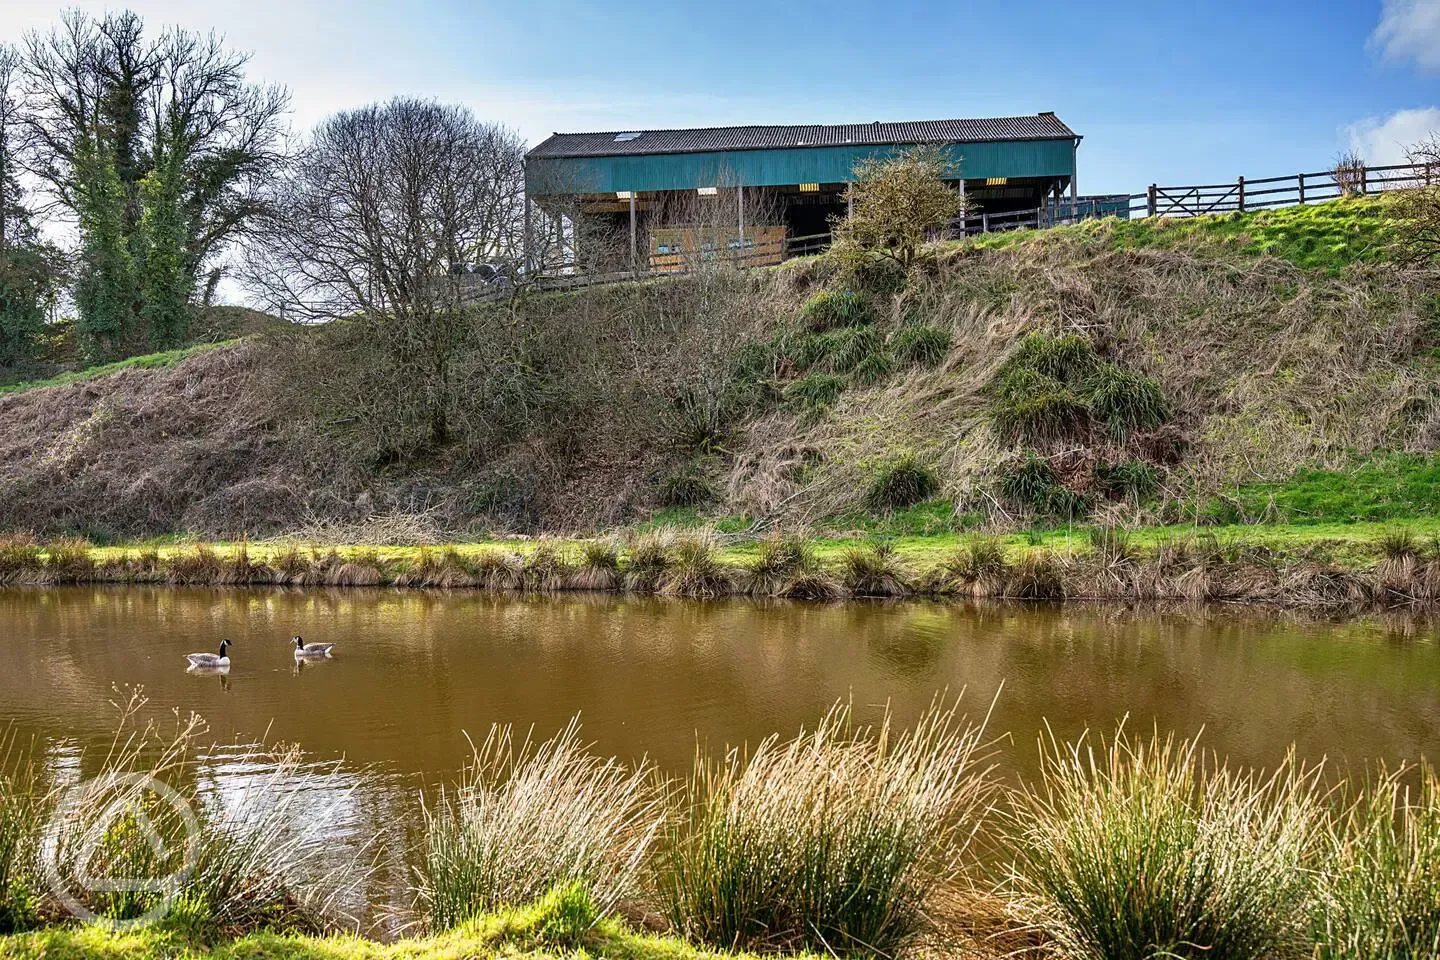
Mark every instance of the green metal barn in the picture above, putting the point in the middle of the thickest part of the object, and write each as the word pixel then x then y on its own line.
pixel 669 191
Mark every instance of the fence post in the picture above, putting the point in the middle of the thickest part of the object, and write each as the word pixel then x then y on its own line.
pixel 1364 178
pixel 1301 178
pixel 1151 207
pixel 1240 187
pixel 984 222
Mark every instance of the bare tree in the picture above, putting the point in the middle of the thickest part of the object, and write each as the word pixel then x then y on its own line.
pixel 378 221
pixel 1417 208
pixel 898 203
pixel 1349 173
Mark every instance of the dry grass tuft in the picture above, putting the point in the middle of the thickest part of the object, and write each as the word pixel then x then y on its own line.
pixel 875 571
pixel 695 569
pixel 599 567
pixel 528 819
pixel 837 841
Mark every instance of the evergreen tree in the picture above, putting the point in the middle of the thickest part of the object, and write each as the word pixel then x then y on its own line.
pixel 165 283
pixel 30 276
pixel 105 287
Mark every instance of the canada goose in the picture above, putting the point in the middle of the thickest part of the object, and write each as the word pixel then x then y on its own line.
pixel 303 649
pixel 210 659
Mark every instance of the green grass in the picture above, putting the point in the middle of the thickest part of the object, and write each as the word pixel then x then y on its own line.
pixel 1325 236
pixel 1389 486
pixel 519 933
pixel 149 361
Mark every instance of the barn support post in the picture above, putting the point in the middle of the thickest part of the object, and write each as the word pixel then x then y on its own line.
pixel 740 213
pixel 1074 174
pixel 634 237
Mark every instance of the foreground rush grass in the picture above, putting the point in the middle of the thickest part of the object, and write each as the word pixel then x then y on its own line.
pixel 1319 565
pixel 853 842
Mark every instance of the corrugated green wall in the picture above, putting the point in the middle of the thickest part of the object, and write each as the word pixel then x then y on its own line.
pixel 763 168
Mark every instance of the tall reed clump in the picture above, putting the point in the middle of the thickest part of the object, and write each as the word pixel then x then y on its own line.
pixel 695 569
pixel 599 567
pixel 834 842
pixel 785 566
pixel 259 858
pixel 21 817
pixel 874 571
pixel 1144 850
pixel 1380 897
pixel 527 820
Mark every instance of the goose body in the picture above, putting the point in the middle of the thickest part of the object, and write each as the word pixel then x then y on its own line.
pixel 222 659
pixel 310 651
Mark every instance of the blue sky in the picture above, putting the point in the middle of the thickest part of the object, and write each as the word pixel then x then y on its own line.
pixel 1162 91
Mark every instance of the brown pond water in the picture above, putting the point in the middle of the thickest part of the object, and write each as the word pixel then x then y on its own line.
pixel 415 671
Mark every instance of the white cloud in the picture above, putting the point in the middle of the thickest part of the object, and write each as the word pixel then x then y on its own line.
pixel 1409 30
pixel 1384 140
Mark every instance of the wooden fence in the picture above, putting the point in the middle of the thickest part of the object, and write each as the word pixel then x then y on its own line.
pixel 1244 195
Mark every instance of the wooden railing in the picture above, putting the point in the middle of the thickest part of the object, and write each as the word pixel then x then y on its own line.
pixel 1244 195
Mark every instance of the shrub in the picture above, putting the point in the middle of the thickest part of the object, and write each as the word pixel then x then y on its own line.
pixel 599 566
pixel 1138 850
pixel 699 417
pixel 920 345
pixel 850 347
pixel 1068 358
pixel 1030 483
pixel 979 567
pixel 1031 407
pixel 874 368
pixel 527 821
pixel 832 842
pixel 785 566
pixel 1127 478
pixel 649 558
pixel 827 309
pixel 874 571
pixel 1380 897
pixel 815 393
pixel 1127 402
pixel 687 487
pixel 695 570
pixel 902 482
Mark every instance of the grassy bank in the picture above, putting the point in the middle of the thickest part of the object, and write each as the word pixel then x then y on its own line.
pixel 1121 373
pixel 1325 565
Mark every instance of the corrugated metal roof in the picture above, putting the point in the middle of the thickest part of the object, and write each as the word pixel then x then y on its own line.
pixel 1044 126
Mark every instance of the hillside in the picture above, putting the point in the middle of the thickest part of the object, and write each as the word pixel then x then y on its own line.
pixel 1125 372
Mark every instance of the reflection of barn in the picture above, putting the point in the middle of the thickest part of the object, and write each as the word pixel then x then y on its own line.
pixel 660 194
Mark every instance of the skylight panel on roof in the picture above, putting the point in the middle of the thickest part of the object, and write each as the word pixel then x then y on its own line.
pixel 623 137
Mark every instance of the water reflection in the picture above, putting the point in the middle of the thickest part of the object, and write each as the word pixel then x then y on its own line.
pixel 651 677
